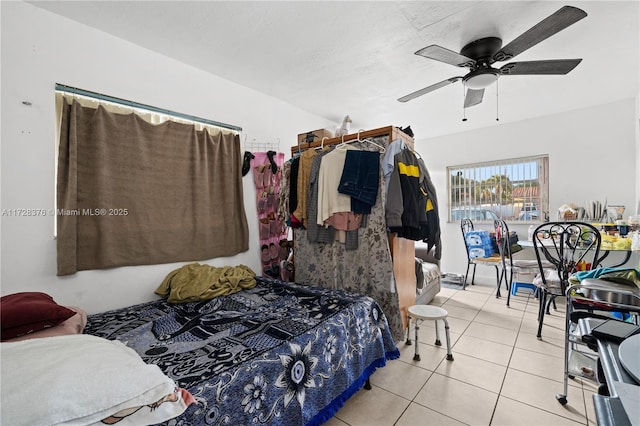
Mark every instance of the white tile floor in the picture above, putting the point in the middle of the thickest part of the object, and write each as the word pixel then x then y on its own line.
pixel 501 374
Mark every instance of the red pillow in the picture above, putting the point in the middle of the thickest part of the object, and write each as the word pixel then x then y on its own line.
pixel 24 313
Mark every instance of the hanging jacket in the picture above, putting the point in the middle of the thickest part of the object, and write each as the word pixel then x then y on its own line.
pixel 406 201
pixel 433 218
pixel 412 206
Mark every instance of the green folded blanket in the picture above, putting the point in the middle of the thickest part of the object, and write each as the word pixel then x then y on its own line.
pixel 195 282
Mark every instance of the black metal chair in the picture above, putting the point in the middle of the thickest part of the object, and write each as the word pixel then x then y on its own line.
pixel 509 264
pixel 466 225
pixel 569 247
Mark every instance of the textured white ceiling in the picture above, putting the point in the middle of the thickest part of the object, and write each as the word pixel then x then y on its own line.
pixel 335 58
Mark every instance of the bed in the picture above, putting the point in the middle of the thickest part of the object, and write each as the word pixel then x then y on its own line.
pixel 279 353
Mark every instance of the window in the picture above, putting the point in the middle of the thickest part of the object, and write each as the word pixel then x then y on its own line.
pixel 515 190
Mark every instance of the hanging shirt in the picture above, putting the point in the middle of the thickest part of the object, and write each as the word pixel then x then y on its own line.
pixel 345 221
pixel 387 164
pixel 330 201
pixel 316 233
pixel 304 170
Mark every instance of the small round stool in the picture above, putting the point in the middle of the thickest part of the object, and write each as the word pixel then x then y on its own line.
pixel 428 312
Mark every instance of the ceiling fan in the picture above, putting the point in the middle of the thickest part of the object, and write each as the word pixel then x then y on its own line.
pixel 480 54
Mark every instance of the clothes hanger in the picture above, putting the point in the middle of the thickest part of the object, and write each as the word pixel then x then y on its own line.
pixel 367 140
pixel 321 147
pixel 342 145
pixel 414 152
pixel 371 141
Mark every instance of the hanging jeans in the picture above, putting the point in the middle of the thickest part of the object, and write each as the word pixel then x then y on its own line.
pixel 360 179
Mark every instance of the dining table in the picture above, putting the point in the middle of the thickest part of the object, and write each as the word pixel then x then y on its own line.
pixel 605 252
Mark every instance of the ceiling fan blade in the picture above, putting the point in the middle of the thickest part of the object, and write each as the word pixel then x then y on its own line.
pixel 549 67
pixel 473 97
pixel 429 89
pixel 544 29
pixel 447 56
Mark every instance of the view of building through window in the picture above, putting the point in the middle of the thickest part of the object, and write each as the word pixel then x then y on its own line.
pixel 514 189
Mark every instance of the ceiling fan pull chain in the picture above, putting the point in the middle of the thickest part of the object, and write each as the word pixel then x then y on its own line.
pixel 464 109
pixel 497 91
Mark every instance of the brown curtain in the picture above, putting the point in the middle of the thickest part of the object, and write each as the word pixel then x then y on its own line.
pixel 134 193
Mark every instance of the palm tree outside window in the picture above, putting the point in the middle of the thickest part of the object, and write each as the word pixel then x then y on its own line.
pixel 512 189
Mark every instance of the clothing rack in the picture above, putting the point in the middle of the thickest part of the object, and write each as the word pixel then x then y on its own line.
pixel 393 132
pixel 402 250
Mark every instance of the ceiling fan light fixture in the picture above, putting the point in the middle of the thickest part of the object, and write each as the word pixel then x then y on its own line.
pixel 481 80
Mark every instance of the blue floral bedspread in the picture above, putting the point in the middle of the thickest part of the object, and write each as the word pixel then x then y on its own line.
pixel 278 354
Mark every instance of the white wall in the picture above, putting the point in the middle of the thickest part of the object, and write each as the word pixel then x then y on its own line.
pixel 40 49
pixel 593 154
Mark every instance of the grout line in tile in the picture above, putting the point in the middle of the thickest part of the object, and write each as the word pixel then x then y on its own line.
pixel 457 380
pixel 432 409
pixel 513 347
pixel 529 302
pixel 542 409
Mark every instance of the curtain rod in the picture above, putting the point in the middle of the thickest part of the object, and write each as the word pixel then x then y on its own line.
pixel 133 104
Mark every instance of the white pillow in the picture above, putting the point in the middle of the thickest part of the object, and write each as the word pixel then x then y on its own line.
pixel 80 380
